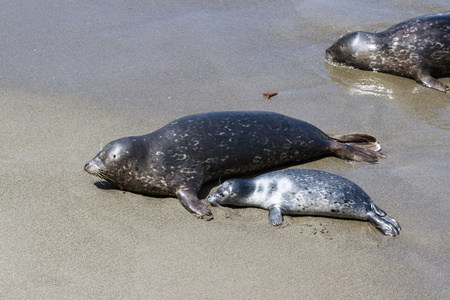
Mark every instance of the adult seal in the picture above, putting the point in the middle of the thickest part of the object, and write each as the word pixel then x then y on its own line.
pixel 418 48
pixel 181 156
pixel 304 192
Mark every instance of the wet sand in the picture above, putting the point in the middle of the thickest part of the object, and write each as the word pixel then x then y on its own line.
pixel 75 77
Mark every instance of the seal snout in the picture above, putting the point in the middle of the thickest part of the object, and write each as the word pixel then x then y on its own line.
pixel 212 199
pixel 90 167
pixel 329 54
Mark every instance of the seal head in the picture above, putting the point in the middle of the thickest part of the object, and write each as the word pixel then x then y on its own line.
pixel 357 49
pixel 231 191
pixel 118 160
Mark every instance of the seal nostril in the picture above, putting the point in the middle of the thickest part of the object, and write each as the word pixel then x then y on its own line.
pixel 329 54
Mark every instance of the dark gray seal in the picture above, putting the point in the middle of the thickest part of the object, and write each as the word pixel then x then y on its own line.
pixel 418 48
pixel 304 192
pixel 180 157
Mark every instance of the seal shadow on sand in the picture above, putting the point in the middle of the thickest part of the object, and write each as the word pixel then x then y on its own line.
pixel 105 185
pixel 428 105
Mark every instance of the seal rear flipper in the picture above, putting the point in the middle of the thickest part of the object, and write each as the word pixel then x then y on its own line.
pixel 423 77
pixel 386 225
pixel 275 216
pixel 189 199
pixel 355 153
pixel 362 140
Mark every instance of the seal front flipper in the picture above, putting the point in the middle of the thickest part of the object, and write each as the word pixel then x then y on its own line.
pixel 423 77
pixel 189 199
pixel 275 216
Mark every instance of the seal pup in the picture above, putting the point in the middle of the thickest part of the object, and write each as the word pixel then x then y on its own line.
pixel 417 48
pixel 181 156
pixel 304 192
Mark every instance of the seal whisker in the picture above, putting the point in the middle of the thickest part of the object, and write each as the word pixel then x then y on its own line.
pixel 102 177
pixel 217 204
pixel 101 180
pixel 97 178
pixel 105 177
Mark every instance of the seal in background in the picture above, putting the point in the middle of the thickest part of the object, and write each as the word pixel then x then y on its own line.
pixel 418 48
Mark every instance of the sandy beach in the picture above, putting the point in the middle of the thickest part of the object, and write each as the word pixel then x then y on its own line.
pixel 77 76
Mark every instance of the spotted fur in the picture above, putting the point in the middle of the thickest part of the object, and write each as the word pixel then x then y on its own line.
pixel 304 192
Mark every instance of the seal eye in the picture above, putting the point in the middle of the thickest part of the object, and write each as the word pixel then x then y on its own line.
pixel 114 156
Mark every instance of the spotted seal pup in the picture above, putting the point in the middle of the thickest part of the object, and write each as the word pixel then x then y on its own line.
pixel 418 48
pixel 181 156
pixel 304 192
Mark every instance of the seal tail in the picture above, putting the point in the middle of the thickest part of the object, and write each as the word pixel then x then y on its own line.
pixel 362 140
pixel 355 153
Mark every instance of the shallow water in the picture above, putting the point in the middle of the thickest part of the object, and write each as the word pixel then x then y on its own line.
pixel 77 75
